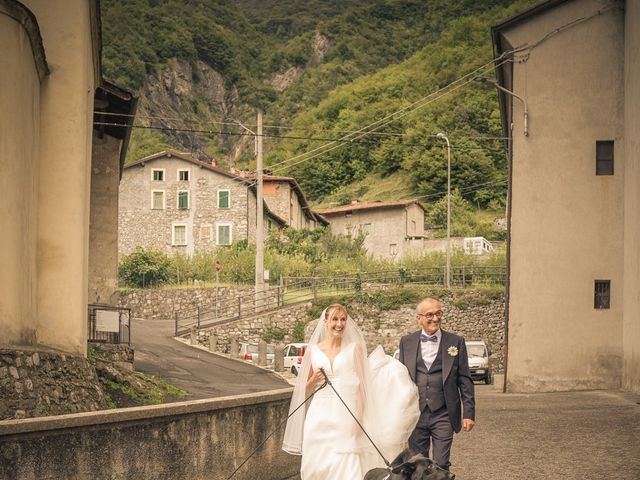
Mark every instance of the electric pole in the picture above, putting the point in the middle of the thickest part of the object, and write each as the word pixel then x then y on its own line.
pixel 259 216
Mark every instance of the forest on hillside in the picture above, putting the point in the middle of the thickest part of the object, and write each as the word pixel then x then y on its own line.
pixel 351 64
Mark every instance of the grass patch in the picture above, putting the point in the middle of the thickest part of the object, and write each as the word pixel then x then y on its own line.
pixel 141 389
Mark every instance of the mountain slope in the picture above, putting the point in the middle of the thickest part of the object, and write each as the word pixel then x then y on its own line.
pixel 319 68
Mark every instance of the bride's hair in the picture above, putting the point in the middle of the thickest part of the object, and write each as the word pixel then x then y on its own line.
pixel 333 309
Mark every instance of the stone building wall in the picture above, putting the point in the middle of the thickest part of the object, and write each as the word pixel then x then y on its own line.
pixel 140 225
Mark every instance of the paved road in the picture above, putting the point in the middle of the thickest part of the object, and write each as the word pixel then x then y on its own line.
pixel 573 436
pixel 201 374
pixel 548 436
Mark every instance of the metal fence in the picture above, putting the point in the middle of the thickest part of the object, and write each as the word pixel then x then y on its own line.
pixel 303 288
pixel 109 324
pixel 300 289
pixel 227 310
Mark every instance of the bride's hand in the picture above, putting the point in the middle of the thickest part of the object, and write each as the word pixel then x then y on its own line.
pixel 315 380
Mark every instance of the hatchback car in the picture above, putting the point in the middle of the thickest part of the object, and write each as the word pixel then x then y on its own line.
pixel 293 354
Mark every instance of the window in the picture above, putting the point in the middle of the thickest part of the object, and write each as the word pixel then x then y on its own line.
pixel 157 174
pixel 179 237
pixel 223 234
pixel 602 294
pixel 157 199
pixel 393 249
pixel 604 157
pixel 413 227
pixel 183 175
pixel 223 199
pixel 183 200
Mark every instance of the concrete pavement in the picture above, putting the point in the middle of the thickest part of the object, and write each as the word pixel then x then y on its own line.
pixel 546 436
pixel 591 435
pixel 200 373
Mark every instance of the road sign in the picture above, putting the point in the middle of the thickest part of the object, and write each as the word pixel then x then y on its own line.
pixel 218 266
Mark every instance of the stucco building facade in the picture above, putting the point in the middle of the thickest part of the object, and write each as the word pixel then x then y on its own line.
pixel 573 257
pixel 51 77
pixel 392 229
pixel 172 202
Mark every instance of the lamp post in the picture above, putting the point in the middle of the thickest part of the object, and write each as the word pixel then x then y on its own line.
pixel 488 81
pixel 442 136
pixel 259 279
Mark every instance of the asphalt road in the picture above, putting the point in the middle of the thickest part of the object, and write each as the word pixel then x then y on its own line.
pixel 200 373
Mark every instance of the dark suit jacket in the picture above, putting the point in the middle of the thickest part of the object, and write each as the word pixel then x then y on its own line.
pixel 458 385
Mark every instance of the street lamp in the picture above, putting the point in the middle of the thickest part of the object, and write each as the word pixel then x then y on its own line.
pixel 488 81
pixel 442 136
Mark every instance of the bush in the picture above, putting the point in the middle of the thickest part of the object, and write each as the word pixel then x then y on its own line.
pixel 145 268
pixel 273 333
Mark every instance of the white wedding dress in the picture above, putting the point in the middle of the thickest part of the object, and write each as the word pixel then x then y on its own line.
pixel 333 446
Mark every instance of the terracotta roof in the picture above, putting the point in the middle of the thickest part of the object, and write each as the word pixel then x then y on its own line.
pixel 369 206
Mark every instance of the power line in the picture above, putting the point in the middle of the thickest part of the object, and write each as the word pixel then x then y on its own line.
pixel 393 116
pixel 294 137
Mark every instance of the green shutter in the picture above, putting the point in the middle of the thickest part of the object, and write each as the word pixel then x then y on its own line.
pixel 183 200
pixel 223 199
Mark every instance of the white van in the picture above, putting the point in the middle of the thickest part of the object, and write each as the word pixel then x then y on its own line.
pixel 478 354
pixel 293 354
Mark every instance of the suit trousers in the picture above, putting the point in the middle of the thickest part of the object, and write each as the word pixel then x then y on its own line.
pixel 433 430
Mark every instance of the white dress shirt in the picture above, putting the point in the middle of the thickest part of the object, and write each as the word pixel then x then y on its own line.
pixel 429 350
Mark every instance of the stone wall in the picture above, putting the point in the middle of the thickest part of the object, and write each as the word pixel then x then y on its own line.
pixel 161 303
pixel 251 329
pixel 195 440
pixel 474 317
pixel 37 383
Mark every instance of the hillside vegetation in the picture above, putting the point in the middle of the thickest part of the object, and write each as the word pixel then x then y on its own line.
pixel 320 68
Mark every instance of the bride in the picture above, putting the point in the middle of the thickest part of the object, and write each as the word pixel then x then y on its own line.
pixel 377 390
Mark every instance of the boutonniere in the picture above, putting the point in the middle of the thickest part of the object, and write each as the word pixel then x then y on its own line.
pixel 453 351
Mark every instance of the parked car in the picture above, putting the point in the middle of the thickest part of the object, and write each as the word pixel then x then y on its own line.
pixel 293 354
pixel 249 352
pixel 478 354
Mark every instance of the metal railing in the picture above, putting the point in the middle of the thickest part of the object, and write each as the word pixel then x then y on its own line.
pixel 109 324
pixel 294 290
pixel 227 310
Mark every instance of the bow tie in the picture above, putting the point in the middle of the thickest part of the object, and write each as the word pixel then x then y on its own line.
pixel 428 338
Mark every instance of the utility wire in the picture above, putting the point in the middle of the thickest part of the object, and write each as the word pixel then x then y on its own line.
pixel 293 137
pixel 358 141
pixel 392 116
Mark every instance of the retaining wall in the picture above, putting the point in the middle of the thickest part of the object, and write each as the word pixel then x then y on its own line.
pixel 196 440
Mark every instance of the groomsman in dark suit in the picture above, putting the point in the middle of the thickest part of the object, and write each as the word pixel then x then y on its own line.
pixel 438 364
